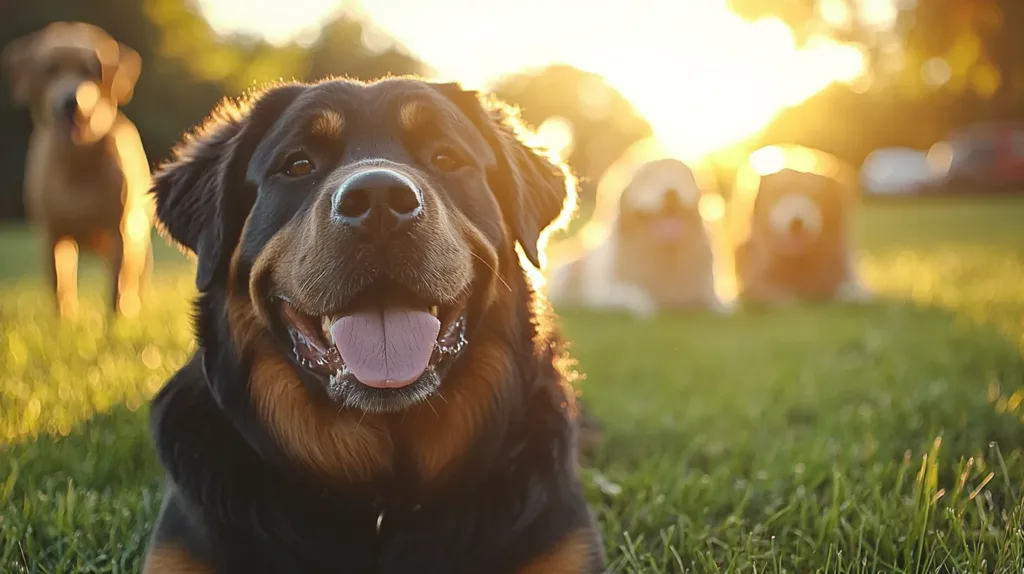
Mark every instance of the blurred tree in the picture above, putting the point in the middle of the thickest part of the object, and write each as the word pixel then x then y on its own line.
pixel 800 15
pixel 603 122
pixel 355 49
pixel 969 47
pixel 868 121
pixel 933 65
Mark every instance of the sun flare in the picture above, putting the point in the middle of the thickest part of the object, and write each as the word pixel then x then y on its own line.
pixel 702 76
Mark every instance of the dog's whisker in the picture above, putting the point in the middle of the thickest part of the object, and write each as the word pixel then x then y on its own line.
pixel 429 404
pixel 493 270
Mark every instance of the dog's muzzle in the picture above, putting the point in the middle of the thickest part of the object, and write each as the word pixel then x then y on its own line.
pixel 378 201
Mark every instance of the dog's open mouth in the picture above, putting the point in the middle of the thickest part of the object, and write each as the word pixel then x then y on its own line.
pixel 377 353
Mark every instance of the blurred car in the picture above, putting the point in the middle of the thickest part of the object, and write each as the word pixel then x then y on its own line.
pixel 987 155
pixel 898 171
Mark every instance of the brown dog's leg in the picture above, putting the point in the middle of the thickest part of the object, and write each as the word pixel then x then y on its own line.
pixel 49 263
pixel 135 253
pixel 62 264
pixel 147 268
pixel 120 281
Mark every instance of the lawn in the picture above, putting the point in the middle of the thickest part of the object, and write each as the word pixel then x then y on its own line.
pixel 881 439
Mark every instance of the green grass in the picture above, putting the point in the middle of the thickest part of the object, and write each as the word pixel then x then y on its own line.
pixel 882 439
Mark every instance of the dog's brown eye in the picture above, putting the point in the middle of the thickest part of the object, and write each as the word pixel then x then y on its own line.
pixel 446 160
pixel 297 164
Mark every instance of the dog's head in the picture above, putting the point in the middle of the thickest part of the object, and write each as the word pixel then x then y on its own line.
pixel 367 227
pixel 797 212
pixel 660 206
pixel 73 76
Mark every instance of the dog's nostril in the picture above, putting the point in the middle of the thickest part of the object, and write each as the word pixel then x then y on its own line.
pixel 403 201
pixel 354 204
pixel 71 106
pixel 671 203
pixel 378 200
pixel 796 226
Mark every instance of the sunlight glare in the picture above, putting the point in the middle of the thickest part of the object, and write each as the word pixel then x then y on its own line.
pixel 712 207
pixel 940 158
pixel 768 160
pixel 275 21
pixel 704 77
pixel 555 134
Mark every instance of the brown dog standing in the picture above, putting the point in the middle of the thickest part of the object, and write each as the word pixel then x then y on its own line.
pixel 86 175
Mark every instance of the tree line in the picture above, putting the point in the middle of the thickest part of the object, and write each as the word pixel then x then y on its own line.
pixel 187 68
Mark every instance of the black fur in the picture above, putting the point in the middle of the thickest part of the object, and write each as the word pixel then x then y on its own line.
pixel 235 501
pixel 540 185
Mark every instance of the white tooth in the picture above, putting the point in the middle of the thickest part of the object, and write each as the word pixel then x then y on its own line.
pixel 326 326
pixel 433 310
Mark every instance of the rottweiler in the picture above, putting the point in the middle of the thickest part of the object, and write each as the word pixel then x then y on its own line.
pixel 376 387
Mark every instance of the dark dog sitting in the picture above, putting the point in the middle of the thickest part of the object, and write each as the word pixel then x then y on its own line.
pixel 374 390
pixel 791 231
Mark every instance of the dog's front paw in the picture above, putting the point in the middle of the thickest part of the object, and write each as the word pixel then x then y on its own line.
pixel 720 306
pixel 639 303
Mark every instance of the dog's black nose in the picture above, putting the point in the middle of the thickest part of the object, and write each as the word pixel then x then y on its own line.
pixel 70 107
pixel 671 203
pixel 796 226
pixel 378 200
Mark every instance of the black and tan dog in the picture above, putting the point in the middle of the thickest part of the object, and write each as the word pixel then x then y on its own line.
pixel 374 389
pixel 792 212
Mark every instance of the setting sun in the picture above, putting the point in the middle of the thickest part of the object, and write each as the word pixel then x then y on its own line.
pixel 704 77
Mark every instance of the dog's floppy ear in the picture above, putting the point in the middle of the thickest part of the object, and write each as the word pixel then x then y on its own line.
pixel 536 193
pixel 121 68
pixel 202 197
pixel 188 189
pixel 16 63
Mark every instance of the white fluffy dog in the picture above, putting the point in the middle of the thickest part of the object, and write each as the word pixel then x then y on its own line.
pixel 656 255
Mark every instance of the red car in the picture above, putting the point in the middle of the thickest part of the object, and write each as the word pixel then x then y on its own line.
pixel 988 155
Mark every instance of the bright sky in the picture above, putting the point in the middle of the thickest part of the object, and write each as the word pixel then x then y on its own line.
pixel 701 75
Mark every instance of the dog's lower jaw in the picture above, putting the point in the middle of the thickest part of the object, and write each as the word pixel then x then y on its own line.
pixel 347 392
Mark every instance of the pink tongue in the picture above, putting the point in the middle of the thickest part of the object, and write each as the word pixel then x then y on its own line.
pixel 667 228
pixel 386 348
